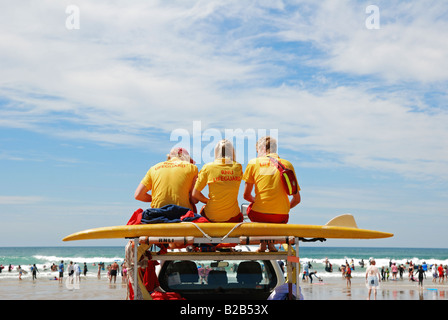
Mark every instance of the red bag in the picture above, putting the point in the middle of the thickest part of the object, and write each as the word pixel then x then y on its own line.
pixel 136 217
pixel 288 177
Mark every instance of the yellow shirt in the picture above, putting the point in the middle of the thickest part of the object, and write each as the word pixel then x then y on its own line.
pixel 170 182
pixel 223 182
pixel 270 195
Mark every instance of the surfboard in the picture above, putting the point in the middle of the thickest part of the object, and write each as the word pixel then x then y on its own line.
pixel 341 227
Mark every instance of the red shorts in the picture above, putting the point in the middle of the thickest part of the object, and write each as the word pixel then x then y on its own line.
pixel 238 218
pixel 255 216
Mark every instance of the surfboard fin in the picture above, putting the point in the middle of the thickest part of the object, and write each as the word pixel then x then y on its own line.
pixel 344 220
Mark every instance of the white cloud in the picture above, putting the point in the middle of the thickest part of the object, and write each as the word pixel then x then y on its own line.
pixel 407 47
pixel 156 65
pixel 20 200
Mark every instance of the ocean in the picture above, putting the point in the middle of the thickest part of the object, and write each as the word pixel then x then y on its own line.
pixel 44 257
pixel 383 257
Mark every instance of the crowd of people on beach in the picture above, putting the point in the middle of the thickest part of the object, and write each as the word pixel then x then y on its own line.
pixel 72 269
pixel 21 271
pixel 396 271
pixel 393 272
pixel 374 275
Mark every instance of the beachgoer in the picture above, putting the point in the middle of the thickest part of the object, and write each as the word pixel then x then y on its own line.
pixel 85 269
pixel 446 272
pixel 202 275
pixel 313 273
pixel 348 275
pixel 328 266
pixel 410 269
pixel 401 271
pixel 113 272
pixel 76 275
pixel 124 271
pixel 61 271
pixel 394 270
pixel 361 263
pixel 71 271
pixel 441 273
pixel 434 272
pixel 306 272
pixel 170 182
pixel 271 203
pixel 19 268
pixel 343 271
pixel 373 279
pixel 35 271
pixel 421 273
pixel 100 266
pixel 223 177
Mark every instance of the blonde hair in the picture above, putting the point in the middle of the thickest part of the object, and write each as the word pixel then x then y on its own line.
pixel 266 145
pixel 224 149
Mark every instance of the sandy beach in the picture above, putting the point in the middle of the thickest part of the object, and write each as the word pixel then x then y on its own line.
pixel 337 289
pixel 331 288
pixel 90 288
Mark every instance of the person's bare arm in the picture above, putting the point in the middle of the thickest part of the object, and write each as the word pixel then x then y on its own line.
pixel 141 193
pixel 198 196
pixel 193 199
pixel 295 200
pixel 248 192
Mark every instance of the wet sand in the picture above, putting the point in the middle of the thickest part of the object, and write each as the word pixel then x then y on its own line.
pixel 90 288
pixel 337 289
pixel 332 288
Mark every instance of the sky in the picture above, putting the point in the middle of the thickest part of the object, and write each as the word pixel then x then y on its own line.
pixel 93 93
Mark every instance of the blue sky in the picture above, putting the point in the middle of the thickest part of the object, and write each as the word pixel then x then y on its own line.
pixel 360 112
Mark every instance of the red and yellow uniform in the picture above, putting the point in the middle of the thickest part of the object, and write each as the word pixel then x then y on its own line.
pixel 270 196
pixel 171 182
pixel 223 180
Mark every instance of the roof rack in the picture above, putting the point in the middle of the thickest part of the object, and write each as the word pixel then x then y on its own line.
pixel 290 254
pixel 220 255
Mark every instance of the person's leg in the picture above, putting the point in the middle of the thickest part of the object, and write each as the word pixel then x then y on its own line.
pixel 238 218
pixel 255 216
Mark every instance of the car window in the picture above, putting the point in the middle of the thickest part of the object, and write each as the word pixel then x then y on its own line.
pixel 226 276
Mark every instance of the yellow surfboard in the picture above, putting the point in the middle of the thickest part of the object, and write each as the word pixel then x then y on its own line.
pixel 341 227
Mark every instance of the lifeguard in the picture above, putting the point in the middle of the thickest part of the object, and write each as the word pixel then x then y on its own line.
pixel 223 177
pixel 271 203
pixel 170 181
